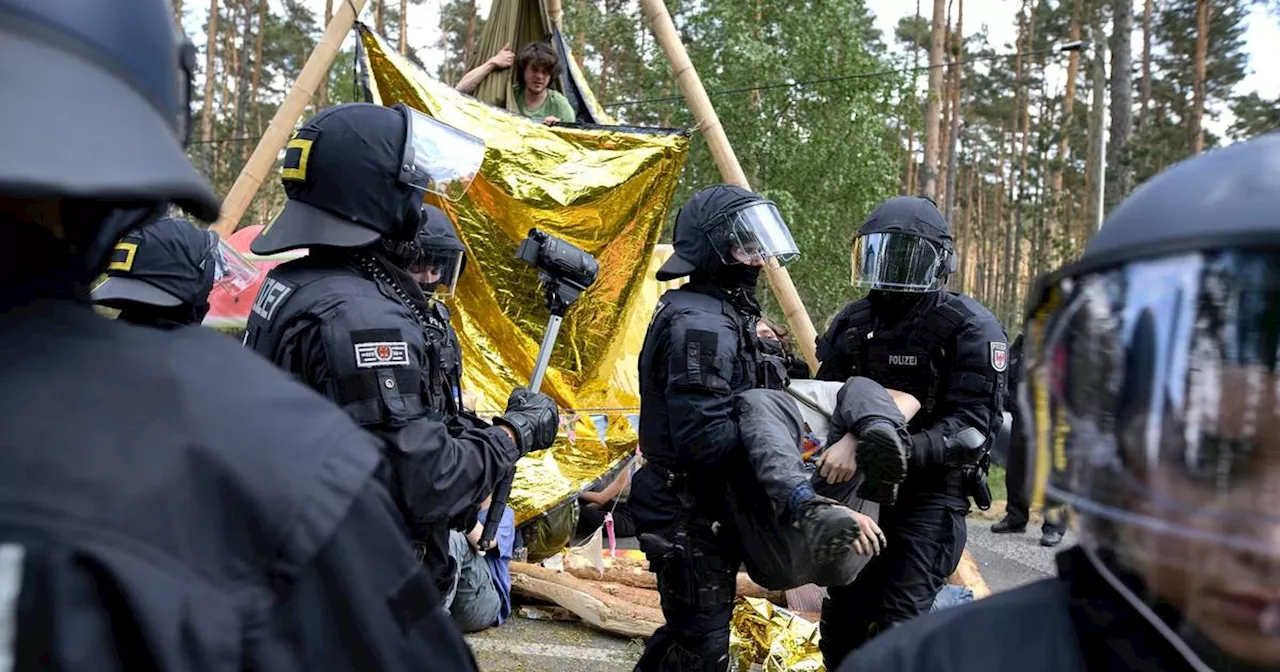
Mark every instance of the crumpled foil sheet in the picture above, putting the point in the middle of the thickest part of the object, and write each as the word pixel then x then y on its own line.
pixel 605 190
pixel 765 635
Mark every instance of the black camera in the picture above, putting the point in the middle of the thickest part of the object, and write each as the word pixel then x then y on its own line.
pixel 559 259
pixel 565 270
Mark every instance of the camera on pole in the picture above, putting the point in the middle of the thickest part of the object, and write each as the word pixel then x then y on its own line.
pixel 565 272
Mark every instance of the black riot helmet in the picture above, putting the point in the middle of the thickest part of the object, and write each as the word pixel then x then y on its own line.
pixel 441 256
pixel 357 173
pixel 1152 392
pixel 727 233
pixel 96 111
pixel 170 263
pixel 903 246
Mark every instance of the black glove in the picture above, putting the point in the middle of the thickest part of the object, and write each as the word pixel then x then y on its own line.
pixel 533 417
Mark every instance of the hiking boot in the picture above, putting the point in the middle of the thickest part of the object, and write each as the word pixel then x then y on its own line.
pixel 828 527
pixel 1008 525
pixel 881 453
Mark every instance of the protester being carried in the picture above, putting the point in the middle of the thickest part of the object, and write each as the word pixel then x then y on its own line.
pixel 537 66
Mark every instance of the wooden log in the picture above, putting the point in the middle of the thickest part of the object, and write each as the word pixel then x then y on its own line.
pixel 635 573
pixel 593 605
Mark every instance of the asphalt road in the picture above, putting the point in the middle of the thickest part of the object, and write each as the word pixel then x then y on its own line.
pixel 523 645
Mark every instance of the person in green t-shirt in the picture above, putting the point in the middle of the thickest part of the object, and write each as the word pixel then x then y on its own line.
pixel 536 68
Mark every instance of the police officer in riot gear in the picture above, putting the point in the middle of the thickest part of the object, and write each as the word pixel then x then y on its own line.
pixel 949 352
pixel 350 322
pixel 160 274
pixel 699 352
pixel 167 500
pixel 1151 391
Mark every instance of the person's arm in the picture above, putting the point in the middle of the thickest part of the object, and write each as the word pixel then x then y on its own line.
pixel 501 61
pixel 701 353
pixel 971 399
pixel 612 490
pixel 906 403
pixel 362 602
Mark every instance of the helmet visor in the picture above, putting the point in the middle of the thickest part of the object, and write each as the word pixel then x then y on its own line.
pixel 897 262
pixel 1153 401
pixel 232 272
pixel 439 158
pixel 437 271
pixel 754 236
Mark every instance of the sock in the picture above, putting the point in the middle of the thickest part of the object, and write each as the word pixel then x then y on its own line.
pixel 799 497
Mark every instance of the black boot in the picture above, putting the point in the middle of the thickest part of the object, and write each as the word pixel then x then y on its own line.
pixel 1050 538
pixel 828 527
pixel 1008 525
pixel 881 453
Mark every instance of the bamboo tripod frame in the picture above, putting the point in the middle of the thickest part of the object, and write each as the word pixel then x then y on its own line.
pixel 263 159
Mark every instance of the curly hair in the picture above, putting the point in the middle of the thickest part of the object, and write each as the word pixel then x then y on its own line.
pixel 541 56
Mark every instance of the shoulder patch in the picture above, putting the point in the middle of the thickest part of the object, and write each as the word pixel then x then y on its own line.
pixel 374 354
pixel 999 356
pixel 270 297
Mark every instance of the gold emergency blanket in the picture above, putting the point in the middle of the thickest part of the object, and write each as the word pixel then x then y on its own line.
pixel 764 634
pixel 604 190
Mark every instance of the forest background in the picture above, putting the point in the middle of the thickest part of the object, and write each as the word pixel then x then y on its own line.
pixel 972 102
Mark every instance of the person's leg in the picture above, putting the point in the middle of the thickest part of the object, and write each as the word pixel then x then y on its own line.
pixel 697 575
pixel 1018 510
pixel 457 554
pixel 476 602
pixel 926 537
pixel 769 424
pixel 624 522
pixel 1055 524
pixel 866 409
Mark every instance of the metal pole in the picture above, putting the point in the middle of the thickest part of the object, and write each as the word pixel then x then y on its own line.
pixel 544 352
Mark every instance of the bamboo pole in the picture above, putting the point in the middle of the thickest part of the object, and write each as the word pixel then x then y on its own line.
pixel 664 29
pixel 556 11
pixel 263 159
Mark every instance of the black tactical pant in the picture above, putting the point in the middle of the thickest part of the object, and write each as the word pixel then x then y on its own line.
pixel 1019 509
pixel 926 535
pixel 696 561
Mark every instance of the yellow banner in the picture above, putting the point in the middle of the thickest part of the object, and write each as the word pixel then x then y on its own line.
pixel 604 190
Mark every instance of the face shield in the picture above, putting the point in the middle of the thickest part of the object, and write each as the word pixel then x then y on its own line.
pixel 437 271
pixel 438 157
pixel 897 262
pixel 1152 397
pixel 753 236
pixel 232 272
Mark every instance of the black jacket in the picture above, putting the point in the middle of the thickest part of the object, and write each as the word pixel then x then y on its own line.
pixel 170 501
pixel 1074 623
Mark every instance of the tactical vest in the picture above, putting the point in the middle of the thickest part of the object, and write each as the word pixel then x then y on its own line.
pixel 443 367
pixel 914 356
pixel 749 366
pixel 372 344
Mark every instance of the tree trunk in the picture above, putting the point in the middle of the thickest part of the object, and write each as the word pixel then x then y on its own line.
pixel 256 83
pixel 944 120
pixel 379 17
pixel 322 96
pixel 1097 121
pixel 404 27
pixel 470 46
pixel 1146 64
pixel 1203 12
pixel 932 116
pixel 210 61
pixel 1068 104
pixel 953 151
pixel 1120 174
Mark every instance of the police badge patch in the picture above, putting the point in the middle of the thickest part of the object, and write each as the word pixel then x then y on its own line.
pixel 383 353
pixel 999 356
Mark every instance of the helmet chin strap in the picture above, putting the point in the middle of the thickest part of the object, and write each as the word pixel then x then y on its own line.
pixel 1146 612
